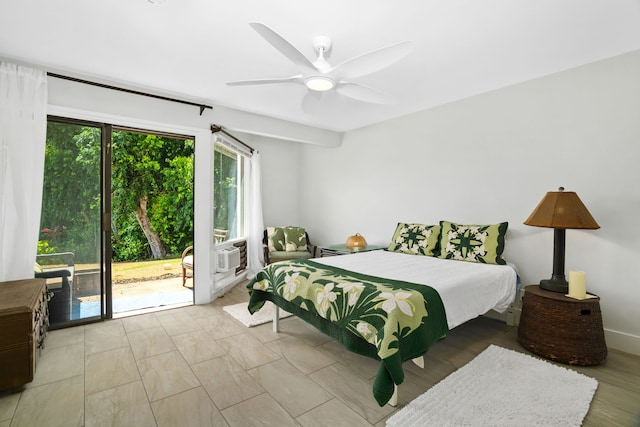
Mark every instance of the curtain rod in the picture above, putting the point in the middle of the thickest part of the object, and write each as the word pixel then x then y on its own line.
pixel 217 128
pixel 135 92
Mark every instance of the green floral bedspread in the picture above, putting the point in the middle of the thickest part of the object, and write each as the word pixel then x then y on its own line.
pixel 389 320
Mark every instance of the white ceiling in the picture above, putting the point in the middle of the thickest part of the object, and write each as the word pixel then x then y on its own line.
pixel 191 48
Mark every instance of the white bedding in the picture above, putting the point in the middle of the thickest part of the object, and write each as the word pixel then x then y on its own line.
pixel 467 289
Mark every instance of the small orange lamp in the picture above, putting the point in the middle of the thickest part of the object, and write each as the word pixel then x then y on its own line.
pixel 356 242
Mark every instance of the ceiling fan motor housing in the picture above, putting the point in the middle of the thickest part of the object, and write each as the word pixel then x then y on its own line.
pixel 322 43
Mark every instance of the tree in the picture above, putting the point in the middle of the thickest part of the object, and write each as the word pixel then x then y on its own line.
pixel 70 219
pixel 141 165
pixel 152 203
pixel 172 210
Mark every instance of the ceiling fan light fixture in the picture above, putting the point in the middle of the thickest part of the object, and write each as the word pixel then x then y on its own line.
pixel 319 83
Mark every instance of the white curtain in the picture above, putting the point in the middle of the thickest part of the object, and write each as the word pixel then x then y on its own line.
pixel 254 219
pixel 23 130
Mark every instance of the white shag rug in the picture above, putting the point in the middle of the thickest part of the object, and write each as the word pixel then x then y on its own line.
pixel 264 315
pixel 502 387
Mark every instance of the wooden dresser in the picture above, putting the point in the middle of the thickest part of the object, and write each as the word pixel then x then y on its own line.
pixel 24 318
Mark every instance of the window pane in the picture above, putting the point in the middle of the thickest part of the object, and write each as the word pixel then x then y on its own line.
pixel 228 191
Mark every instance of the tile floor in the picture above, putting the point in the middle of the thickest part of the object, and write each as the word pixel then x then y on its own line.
pixel 197 366
pixel 136 296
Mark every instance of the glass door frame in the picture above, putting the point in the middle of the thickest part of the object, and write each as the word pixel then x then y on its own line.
pixel 107 250
pixel 105 182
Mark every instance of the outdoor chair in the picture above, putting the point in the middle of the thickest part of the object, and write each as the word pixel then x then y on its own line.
pixel 187 265
pixel 219 235
pixel 57 266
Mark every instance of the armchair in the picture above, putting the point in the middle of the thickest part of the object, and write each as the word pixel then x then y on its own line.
pixel 277 244
pixel 187 265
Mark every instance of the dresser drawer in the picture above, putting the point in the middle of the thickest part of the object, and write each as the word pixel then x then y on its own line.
pixel 20 359
pixel 15 329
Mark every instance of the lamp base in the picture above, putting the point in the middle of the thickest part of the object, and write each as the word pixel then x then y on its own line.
pixel 555 284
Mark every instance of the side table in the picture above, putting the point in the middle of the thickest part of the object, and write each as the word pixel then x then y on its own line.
pixel 334 250
pixel 562 329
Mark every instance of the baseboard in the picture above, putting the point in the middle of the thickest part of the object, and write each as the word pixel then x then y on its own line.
pixel 622 341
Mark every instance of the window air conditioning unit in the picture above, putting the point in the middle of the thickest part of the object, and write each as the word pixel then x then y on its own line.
pixel 228 259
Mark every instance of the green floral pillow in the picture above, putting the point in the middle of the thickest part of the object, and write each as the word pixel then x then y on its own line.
pixel 415 239
pixel 295 239
pixel 275 239
pixel 474 243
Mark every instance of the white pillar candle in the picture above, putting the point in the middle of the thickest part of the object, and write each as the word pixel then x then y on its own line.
pixel 578 284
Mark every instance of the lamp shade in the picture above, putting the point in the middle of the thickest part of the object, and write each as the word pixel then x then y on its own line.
pixel 562 209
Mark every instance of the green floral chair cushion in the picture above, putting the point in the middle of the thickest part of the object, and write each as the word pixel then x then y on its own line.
pixel 295 239
pixel 474 243
pixel 415 239
pixel 275 239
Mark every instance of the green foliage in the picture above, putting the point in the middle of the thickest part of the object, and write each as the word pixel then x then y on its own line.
pixel 71 204
pixel 45 248
pixel 172 211
pixel 160 170
pixel 152 167
pixel 128 241
pixel 225 190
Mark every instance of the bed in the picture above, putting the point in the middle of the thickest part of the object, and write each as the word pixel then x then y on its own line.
pixel 388 305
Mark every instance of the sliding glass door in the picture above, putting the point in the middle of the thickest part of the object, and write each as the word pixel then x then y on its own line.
pixel 117 214
pixel 70 242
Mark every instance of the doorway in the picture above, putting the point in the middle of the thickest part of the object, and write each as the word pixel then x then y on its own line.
pixel 117 213
pixel 151 219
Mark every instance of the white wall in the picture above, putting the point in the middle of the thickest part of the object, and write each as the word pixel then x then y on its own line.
pixel 491 158
pixel 281 172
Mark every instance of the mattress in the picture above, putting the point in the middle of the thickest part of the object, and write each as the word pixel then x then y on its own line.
pixel 467 289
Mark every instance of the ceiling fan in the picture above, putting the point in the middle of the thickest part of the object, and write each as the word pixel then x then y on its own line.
pixel 320 77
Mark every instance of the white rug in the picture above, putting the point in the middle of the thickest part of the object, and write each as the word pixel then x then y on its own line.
pixel 264 315
pixel 502 387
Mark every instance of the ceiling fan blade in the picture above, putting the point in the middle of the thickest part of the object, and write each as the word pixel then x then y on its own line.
pixel 283 46
pixel 364 93
pixel 371 62
pixel 292 79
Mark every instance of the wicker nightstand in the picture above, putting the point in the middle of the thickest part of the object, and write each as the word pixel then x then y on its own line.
pixel 562 329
